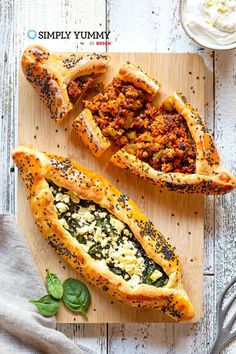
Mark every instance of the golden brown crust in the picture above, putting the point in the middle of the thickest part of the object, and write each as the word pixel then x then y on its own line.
pixel 134 74
pixel 37 167
pixel 210 176
pixel 90 133
pixel 180 182
pixel 50 73
pixel 207 155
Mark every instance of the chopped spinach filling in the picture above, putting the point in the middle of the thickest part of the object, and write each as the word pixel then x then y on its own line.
pixel 106 239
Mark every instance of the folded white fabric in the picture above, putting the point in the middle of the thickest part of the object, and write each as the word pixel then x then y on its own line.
pixel 22 329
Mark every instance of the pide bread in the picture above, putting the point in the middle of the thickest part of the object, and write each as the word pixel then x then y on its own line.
pixel 102 234
pixel 132 85
pixel 169 145
pixel 61 79
pixel 135 75
pixel 90 133
pixel 208 175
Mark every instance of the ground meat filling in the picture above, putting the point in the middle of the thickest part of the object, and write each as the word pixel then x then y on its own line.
pixel 77 87
pixel 116 108
pixel 165 144
pixel 106 239
pixel 159 137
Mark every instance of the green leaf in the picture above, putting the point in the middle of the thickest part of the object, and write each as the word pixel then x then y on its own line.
pixel 76 296
pixel 47 305
pixel 54 285
pixel 95 252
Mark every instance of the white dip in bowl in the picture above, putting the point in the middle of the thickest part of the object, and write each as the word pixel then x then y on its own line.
pixel 210 23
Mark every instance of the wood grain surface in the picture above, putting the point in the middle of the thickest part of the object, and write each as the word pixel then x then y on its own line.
pixel 138 26
pixel 179 217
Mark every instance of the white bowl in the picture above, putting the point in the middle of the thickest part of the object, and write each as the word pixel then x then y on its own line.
pixel 198 40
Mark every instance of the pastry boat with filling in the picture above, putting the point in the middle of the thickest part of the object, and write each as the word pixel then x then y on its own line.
pixel 169 146
pixel 113 111
pixel 188 161
pixel 102 234
pixel 61 79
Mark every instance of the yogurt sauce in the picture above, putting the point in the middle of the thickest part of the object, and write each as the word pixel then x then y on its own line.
pixel 211 22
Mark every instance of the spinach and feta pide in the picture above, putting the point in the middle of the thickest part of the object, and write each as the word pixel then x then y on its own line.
pixel 102 234
pixel 106 239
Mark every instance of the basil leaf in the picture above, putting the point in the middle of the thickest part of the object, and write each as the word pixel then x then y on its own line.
pixel 47 305
pixel 54 285
pixel 76 296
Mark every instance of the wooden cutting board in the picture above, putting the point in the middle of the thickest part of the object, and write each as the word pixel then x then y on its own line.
pixel 179 217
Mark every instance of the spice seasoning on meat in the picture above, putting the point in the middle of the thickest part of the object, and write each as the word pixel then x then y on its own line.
pixel 160 137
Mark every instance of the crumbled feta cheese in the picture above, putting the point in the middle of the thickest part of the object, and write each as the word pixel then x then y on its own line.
pixel 66 198
pixel 75 216
pixel 85 213
pixel 99 235
pixel 91 207
pixel 86 246
pixel 58 197
pixel 84 216
pixel 102 215
pixel 104 252
pixel 103 263
pixel 86 228
pixel 117 224
pixel 124 257
pixel 134 281
pixel 104 242
pixel 64 223
pixel 155 275
pixel 127 232
pixel 62 198
pixel 88 216
pixel 62 207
